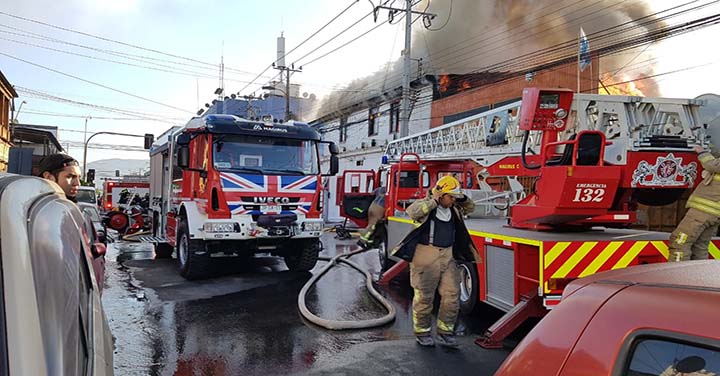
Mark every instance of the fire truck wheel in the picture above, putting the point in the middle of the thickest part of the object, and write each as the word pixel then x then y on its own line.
pixel 306 259
pixel 384 253
pixel 163 250
pixel 468 287
pixel 192 266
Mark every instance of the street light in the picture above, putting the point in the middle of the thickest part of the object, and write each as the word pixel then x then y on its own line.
pixel 148 143
pixel 287 99
pixel 14 121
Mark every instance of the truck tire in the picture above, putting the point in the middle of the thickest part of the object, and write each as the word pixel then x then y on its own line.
pixel 306 259
pixel 383 251
pixel 469 287
pixel 192 266
pixel 163 251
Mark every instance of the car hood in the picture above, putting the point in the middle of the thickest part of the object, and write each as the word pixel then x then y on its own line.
pixel 701 273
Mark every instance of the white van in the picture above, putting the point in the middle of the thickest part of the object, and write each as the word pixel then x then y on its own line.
pixel 51 316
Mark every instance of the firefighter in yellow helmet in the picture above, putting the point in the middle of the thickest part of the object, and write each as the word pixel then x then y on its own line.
pixel 433 249
pixel 691 238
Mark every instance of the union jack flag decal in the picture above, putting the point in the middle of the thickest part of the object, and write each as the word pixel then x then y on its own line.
pixel 243 191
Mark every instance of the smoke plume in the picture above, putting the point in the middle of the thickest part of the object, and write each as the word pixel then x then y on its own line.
pixel 505 36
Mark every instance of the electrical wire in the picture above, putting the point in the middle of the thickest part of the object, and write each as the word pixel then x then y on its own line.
pixel 296 47
pixel 93 83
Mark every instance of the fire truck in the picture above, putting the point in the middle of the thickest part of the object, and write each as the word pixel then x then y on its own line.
pixel 224 186
pixel 114 190
pixel 556 177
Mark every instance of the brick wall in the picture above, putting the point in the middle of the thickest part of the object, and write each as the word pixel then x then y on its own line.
pixel 564 76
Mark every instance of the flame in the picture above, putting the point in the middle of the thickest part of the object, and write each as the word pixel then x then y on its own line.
pixel 444 83
pixel 618 85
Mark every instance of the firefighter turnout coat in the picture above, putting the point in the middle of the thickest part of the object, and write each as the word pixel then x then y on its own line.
pixel 420 211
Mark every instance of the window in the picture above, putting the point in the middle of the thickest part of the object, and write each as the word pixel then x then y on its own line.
pixel 664 356
pixel 394 117
pixel 343 128
pixel 265 155
pixel 373 125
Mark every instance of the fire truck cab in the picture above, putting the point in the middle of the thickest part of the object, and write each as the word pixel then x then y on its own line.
pixel 223 186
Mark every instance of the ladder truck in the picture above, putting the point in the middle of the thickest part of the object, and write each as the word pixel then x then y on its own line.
pixel 563 174
pixel 224 186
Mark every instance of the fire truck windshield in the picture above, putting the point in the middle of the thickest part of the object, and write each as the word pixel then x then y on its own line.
pixel 265 155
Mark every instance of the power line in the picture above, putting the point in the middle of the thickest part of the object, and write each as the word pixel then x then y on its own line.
pixel 114 41
pixel 143 115
pixel 303 42
pixel 93 83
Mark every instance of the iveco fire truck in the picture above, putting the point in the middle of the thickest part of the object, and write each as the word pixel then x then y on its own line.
pixel 224 186
pixel 557 178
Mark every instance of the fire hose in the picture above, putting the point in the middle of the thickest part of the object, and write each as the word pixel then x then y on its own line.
pixel 345 324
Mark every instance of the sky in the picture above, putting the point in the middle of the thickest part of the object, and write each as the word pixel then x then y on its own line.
pixel 34 57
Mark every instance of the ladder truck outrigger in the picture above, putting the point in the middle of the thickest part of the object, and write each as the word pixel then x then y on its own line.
pixel 224 186
pixel 557 178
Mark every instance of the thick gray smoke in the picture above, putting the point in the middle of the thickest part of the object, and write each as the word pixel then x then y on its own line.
pixel 483 35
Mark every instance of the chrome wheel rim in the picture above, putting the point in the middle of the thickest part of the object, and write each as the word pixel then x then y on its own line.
pixel 466 285
pixel 183 249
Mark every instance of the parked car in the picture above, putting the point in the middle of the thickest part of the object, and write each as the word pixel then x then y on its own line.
pixel 658 319
pixel 87 195
pixel 91 211
pixel 51 316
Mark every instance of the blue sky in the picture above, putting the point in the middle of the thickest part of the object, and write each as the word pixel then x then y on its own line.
pixel 245 32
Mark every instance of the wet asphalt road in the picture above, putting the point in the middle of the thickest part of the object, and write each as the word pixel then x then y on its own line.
pixel 246 321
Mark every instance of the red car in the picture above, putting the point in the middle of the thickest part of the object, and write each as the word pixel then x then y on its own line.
pixel 659 319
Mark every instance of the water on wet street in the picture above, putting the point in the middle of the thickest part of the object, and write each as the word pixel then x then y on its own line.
pixel 246 321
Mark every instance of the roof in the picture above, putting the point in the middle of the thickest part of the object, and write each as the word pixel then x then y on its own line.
pixel 5 83
pixel 36 134
pixel 692 274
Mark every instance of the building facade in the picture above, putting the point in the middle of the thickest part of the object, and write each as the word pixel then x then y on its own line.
pixel 362 131
pixel 7 94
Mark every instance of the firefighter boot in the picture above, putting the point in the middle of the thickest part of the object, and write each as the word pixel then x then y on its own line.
pixel 425 340
pixel 447 340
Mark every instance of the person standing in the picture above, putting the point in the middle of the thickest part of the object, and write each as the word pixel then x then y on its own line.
pixel 433 249
pixel 691 238
pixel 63 170
pixel 376 212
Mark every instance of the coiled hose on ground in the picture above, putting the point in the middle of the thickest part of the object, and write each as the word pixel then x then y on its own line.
pixel 345 324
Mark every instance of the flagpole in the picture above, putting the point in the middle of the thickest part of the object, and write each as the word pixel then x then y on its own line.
pixel 578 61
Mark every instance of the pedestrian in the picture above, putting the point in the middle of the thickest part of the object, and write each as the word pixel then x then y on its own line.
pixel 63 170
pixel 376 212
pixel 691 238
pixel 433 249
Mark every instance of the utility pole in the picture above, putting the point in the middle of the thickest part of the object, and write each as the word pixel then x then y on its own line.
pixel 283 68
pixel 405 104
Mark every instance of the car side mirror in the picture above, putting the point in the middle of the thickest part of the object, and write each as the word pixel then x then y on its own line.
pixel 334 165
pixel 98 250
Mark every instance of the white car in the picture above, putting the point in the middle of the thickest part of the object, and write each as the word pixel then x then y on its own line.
pixel 51 316
pixel 87 194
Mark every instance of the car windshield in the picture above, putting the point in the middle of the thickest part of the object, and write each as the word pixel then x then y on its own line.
pixel 86 195
pixel 92 213
pixel 265 155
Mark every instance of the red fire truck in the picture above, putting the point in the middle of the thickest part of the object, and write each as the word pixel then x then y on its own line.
pixel 223 186
pixel 127 188
pixel 556 181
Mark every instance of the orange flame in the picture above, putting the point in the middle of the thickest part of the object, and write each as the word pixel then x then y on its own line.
pixel 444 82
pixel 618 85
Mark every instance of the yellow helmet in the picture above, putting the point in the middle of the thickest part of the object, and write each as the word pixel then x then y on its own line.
pixel 449 185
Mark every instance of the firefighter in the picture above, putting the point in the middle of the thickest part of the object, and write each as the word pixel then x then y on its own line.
pixel 691 238
pixel 376 212
pixel 63 170
pixel 433 249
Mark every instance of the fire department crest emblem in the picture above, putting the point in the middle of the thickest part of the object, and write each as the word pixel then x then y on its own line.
pixel 667 171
